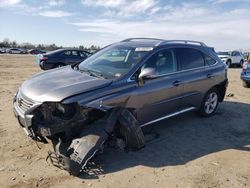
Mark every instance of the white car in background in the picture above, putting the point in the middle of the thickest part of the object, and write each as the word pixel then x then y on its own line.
pixel 231 57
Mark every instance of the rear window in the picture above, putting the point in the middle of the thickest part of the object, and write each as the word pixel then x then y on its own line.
pixel 190 58
pixel 209 60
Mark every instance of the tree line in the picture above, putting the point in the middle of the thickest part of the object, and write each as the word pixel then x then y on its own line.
pixel 6 43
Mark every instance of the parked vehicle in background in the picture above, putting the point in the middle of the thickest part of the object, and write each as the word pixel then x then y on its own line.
pixel 36 51
pixel 61 57
pixel 245 74
pixel 2 50
pixel 231 58
pixel 115 92
pixel 16 51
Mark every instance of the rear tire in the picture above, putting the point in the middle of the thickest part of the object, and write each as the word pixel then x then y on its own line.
pixel 228 63
pixel 59 65
pixel 209 103
pixel 241 63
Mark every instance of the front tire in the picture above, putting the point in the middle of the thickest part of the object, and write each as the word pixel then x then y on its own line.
pixel 209 103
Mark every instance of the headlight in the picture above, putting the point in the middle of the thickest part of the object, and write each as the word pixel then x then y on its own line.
pixel 65 111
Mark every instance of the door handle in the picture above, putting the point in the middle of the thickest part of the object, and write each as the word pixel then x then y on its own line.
pixel 176 83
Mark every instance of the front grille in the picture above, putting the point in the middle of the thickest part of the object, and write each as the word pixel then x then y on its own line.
pixel 23 103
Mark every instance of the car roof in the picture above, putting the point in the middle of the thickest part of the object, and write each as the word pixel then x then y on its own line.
pixel 154 42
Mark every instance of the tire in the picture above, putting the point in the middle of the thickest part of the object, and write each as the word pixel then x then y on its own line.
pixel 228 63
pixel 59 65
pixel 241 63
pixel 246 85
pixel 209 103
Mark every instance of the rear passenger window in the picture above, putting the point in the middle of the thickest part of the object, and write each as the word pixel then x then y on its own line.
pixel 67 53
pixel 74 53
pixel 190 58
pixel 209 60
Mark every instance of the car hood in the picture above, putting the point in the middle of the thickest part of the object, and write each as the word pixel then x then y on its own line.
pixel 58 84
pixel 223 56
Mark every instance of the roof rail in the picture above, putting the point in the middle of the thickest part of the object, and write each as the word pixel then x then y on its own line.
pixel 131 39
pixel 184 41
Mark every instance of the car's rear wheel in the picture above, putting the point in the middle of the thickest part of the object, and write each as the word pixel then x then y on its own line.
pixel 228 63
pixel 209 103
pixel 241 63
pixel 59 65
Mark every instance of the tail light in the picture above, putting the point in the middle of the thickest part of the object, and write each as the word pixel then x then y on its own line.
pixel 43 58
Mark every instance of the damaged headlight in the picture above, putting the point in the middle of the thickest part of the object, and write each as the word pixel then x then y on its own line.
pixel 65 111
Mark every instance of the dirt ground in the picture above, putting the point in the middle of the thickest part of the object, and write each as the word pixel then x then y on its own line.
pixel 185 151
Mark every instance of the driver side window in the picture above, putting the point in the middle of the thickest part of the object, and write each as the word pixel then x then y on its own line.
pixel 164 62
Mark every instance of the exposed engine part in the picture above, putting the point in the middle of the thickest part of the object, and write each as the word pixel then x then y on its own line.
pixel 74 155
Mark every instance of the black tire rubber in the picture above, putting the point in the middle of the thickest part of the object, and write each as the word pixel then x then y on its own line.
pixel 202 111
pixel 241 63
pixel 246 85
pixel 130 131
pixel 59 65
pixel 228 63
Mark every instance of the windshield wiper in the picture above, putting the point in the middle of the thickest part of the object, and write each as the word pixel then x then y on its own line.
pixel 93 73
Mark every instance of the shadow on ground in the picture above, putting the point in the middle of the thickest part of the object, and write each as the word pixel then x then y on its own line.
pixel 183 139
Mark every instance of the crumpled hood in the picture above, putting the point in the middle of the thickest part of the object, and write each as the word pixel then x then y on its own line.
pixel 223 56
pixel 58 84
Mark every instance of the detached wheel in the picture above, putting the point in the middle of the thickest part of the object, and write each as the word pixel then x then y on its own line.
pixel 209 103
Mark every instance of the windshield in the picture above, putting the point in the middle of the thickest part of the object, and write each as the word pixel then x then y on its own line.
pixel 223 53
pixel 114 62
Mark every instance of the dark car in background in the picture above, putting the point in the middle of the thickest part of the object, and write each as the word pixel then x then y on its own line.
pixel 245 74
pixel 36 51
pixel 61 57
pixel 115 92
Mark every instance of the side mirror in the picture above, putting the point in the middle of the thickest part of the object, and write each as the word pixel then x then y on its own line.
pixel 147 73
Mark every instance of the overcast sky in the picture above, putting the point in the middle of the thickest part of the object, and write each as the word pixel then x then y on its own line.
pixel 223 24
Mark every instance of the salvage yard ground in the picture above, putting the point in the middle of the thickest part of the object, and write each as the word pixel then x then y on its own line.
pixel 185 151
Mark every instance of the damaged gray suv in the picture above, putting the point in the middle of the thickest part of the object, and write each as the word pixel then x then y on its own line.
pixel 115 92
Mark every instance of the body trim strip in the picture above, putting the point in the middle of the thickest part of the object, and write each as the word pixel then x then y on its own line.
pixel 168 116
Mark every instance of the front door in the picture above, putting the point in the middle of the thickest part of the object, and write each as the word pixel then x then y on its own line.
pixel 160 96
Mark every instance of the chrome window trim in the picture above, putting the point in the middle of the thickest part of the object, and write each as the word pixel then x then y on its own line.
pixel 168 74
pixel 205 66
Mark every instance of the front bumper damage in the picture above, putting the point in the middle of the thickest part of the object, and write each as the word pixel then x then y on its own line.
pixel 77 139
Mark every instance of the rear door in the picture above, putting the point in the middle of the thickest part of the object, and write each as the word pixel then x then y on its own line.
pixel 196 78
pixel 160 96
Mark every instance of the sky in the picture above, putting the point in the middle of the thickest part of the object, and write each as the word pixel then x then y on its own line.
pixel 223 24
